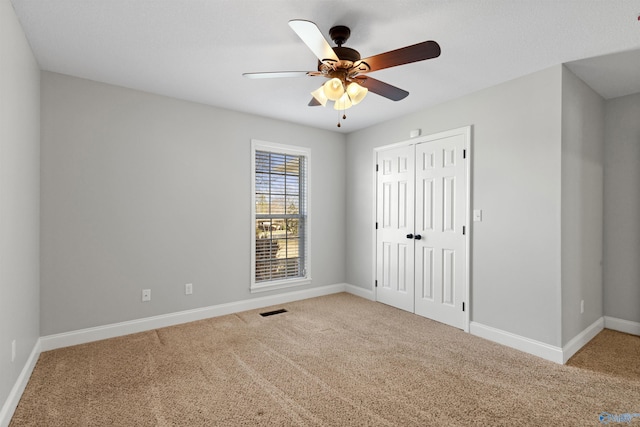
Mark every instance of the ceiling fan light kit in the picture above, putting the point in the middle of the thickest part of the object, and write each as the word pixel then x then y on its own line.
pixel 348 83
pixel 334 90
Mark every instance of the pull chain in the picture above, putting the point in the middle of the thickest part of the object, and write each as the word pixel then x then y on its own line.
pixel 344 116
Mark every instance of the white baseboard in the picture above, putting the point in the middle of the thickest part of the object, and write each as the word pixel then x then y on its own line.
pixel 581 339
pixel 66 339
pixel 622 325
pixel 360 292
pixel 15 394
pixel 537 348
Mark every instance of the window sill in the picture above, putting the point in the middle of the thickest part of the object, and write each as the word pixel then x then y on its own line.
pixel 279 284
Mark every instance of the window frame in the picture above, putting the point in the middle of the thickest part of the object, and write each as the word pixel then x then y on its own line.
pixel 272 147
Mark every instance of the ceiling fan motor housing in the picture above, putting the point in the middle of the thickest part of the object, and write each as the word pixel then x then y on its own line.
pixel 347 58
pixel 347 54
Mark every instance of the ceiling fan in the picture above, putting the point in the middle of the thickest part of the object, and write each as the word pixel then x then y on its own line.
pixel 348 82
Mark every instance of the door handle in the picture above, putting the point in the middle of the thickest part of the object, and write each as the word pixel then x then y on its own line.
pixel 409 236
pixel 417 237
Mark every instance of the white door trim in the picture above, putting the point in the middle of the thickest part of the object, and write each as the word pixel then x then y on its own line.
pixel 467 132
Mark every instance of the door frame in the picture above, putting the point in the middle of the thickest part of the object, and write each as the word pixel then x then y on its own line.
pixel 467 132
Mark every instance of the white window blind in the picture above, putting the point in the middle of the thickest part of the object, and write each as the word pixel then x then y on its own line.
pixel 280 216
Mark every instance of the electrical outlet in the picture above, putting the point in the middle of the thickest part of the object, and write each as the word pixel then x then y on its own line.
pixel 146 295
pixel 188 289
pixel 581 306
pixel 13 350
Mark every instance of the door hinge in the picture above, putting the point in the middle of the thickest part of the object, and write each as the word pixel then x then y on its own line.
pixel 376 225
pixel 464 230
pixel 464 154
pixel 376 167
pixel 376 283
pixel 462 305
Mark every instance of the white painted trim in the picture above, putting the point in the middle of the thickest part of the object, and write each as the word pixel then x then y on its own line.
pixel 66 339
pixel 360 292
pixel 279 284
pixel 581 339
pixel 621 325
pixel 15 394
pixel 374 230
pixel 537 348
pixel 467 297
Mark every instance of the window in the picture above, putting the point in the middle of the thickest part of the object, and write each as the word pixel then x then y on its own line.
pixel 280 219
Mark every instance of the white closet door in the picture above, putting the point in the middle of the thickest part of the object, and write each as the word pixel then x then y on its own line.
pixel 441 199
pixel 395 216
pixel 421 212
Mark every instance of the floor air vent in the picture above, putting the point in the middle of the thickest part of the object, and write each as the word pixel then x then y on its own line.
pixel 271 313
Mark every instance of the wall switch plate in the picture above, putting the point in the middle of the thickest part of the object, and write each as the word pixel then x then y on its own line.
pixel 188 289
pixel 581 306
pixel 13 350
pixel 477 215
pixel 146 295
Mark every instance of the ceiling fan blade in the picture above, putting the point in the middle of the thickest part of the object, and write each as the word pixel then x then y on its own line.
pixel 314 102
pixel 381 88
pixel 404 55
pixel 278 74
pixel 313 38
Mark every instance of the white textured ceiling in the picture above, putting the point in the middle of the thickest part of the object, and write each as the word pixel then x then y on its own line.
pixel 198 49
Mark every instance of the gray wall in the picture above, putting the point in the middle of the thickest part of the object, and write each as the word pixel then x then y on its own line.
pixel 19 199
pixel 143 191
pixel 516 172
pixel 622 208
pixel 582 204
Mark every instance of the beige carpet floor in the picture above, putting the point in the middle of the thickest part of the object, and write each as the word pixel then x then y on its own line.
pixel 337 360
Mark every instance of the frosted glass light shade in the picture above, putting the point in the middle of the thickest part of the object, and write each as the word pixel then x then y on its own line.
pixel 356 92
pixel 343 103
pixel 320 96
pixel 333 89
